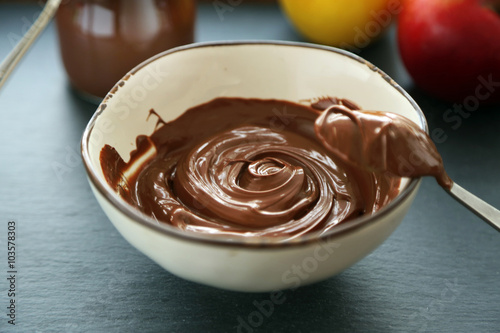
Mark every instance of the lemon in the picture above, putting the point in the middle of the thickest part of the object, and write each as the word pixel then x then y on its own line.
pixel 341 23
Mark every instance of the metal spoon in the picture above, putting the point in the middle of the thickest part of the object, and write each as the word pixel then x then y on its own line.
pixel 10 62
pixel 381 141
pixel 482 209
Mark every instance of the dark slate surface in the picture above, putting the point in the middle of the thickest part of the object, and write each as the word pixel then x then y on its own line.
pixel 439 272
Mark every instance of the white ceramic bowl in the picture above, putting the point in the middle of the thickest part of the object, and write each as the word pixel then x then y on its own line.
pixel 178 79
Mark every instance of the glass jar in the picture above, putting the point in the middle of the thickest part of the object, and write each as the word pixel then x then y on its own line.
pixel 101 40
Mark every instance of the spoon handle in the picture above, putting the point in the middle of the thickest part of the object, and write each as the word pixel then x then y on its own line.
pixel 482 209
pixel 29 37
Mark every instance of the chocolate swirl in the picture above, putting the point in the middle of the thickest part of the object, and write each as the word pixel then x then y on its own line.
pixel 245 167
pixel 261 183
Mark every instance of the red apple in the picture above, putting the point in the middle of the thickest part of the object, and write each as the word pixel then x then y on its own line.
pixel 451 48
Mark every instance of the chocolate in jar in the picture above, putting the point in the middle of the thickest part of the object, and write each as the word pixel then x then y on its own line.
pixel 101 40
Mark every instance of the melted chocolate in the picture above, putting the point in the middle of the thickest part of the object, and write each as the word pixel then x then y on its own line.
pixel 380 142
pixel 246 167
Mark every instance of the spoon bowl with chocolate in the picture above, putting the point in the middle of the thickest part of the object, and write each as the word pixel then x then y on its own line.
pixel 226 163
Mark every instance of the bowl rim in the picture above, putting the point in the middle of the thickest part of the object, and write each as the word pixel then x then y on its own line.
pixel 251 242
